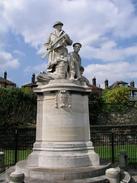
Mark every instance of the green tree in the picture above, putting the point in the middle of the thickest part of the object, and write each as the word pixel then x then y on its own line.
pixel 116 99
pixel 118 95
pixel 95 107
pixel 17 108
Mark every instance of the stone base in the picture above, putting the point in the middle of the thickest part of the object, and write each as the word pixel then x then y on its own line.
pixel 68 175
pixel 63 162
pixel 101 179
pixel 63 150
pixel 63 155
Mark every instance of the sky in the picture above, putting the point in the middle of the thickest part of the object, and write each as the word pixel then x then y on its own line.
pixel 107 30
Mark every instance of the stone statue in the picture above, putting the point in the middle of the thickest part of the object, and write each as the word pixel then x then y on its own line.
pixel 56 50
pixel 61 64
pixel 75 62
pixel 56 47
pixel 83 79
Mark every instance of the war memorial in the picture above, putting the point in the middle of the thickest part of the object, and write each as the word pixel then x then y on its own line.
pixel 63 152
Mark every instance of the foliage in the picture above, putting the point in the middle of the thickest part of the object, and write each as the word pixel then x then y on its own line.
pixel 116 99
pixel 118 95
pixel 95 106
pixel 26 90
pixel 17 108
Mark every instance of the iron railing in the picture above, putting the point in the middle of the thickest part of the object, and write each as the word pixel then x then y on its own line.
pixel 108 142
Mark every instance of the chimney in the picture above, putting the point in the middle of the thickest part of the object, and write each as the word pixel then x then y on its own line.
pixel 5 75
pixel 94 81
pixel 33 78
pixel 132 84
pixel 106 84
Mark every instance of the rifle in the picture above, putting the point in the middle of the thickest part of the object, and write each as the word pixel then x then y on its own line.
pixel 54 44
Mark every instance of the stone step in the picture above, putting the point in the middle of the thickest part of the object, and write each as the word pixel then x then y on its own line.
pixel 68 174
pixel 72 175
pixel 100 179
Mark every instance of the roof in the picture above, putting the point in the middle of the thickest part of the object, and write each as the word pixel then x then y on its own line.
pixel 117 83
pixel 96 89
pixel 30 85
pixel 8 82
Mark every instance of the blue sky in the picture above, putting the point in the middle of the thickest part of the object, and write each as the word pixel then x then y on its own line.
pixel 107 30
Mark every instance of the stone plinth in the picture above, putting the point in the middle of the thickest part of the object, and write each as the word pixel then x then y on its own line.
pixel 63 150
pixel 63 133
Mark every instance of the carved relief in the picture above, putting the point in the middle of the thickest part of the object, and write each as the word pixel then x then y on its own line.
pixel 63 99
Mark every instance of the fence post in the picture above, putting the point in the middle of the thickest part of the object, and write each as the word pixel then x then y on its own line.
pixel 16 146
pixel 2 165
pixel 112 148
pixel 123 159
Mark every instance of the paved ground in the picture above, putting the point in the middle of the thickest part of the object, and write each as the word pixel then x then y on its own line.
pixel 2 178
pixel 133 172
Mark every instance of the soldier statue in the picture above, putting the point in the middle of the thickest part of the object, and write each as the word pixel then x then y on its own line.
pixel 56 47
pixel 75 62
pixel 61 64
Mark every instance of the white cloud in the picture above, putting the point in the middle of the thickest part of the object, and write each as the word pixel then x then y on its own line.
pixel 108 51
pixel 99 25
pixel 8 61
pixel 83 19
pixel 36 69
pixel 86 21
pixel 112 71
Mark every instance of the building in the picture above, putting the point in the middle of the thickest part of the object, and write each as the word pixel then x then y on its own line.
pixel 5 83
pixel 31 85
pixel 94 88
pixel 118 83
pixel 133 89
pixel 131 86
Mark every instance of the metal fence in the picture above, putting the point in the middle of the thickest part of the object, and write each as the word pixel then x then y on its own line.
pixel 107 140
pixel 16 144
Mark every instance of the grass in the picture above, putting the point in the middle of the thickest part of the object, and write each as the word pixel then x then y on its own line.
pixel 105 152
pixel 10 155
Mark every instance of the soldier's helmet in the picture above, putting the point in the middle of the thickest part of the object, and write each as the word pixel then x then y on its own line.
pixel 57 23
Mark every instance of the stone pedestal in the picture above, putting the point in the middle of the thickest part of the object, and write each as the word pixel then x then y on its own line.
pixel 63 150
pixel 63 133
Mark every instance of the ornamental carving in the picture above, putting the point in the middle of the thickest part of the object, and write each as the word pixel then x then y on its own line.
pixel 63 99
